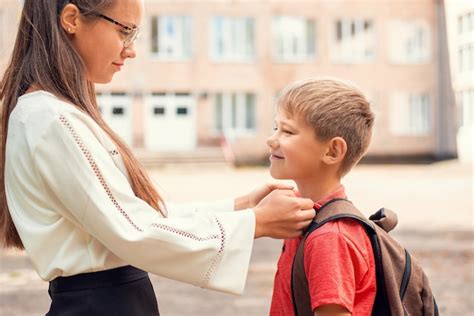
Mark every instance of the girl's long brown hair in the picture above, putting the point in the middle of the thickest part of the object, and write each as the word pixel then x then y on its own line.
pixel 44 56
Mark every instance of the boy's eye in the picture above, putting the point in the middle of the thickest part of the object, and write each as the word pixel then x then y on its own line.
pixel 285 131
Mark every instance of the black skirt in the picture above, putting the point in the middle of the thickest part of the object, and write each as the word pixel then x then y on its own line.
pixel 122 291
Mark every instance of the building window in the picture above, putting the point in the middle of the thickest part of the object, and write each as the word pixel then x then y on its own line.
pixel 410 114
pixel 466 102
pixel 113 104
pixel 233 38
pixel 466 58
pixel 354 41
pixel 410 42
pixel 159 110
pixel 171 37
pixel 118 110
pixel 234 113
pixel 115 109
pixel 460 24
pixel 466 23
pixel 293 38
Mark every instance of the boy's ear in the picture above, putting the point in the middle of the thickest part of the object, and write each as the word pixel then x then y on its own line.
pixel 336 149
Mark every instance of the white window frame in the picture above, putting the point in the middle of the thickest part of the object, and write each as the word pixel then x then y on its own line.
pixel 465 23
pixel 237 35
pixel 294 38
pixel 466 58
pixel 177 46
pixel 467 107
pixel 411 114
pixel 410 42
pixel 234 115
pixel 353 49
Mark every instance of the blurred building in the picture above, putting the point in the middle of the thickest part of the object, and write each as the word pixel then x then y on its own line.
pixel 460 16
pixel 208 72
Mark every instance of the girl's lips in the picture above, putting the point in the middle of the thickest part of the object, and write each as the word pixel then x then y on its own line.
pixel 118 65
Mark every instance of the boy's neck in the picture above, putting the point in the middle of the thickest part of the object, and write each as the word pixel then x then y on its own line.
pixel 316 189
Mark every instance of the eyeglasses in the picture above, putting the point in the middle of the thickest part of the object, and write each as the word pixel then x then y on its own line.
pixel 131 33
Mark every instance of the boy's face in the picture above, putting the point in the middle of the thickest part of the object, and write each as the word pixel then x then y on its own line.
pixel 295 151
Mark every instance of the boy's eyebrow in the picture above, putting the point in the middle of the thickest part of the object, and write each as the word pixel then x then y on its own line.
pixel 284 124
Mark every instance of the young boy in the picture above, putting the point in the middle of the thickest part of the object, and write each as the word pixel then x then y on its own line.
pixel 323 128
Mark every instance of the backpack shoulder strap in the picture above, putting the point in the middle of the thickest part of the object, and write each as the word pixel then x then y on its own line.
pixel 338 209
pixel 299 284
pixel 333 210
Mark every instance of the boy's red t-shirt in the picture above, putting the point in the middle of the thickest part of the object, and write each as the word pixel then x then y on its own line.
pixel 339 265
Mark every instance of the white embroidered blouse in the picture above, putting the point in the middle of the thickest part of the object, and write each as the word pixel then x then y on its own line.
pixel 72 204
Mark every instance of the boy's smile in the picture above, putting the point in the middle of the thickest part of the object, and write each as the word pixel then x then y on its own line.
pixel 274 155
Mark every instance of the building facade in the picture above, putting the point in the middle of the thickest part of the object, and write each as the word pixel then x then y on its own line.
pixel 208 72
pixel 460 15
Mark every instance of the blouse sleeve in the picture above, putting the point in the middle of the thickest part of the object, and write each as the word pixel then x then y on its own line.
pixel 210 250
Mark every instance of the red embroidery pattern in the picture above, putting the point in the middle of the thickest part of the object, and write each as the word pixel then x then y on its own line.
pixel 183 233
pixel 96 170
pixel 218 257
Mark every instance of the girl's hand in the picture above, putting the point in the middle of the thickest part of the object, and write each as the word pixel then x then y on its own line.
pixel 282 215
pixel 253 198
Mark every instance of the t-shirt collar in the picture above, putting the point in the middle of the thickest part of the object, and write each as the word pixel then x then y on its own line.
pixel 339 193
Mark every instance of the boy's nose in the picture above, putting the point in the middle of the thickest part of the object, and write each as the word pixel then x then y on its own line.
pixel 271 141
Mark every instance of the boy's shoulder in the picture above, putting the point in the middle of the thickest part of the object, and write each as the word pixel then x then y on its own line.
pixel 339 232
pixel 343 226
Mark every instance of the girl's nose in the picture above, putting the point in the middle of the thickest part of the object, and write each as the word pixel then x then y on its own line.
pixel 129 51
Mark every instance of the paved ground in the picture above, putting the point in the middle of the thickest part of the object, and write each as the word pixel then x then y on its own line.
pixel 435 207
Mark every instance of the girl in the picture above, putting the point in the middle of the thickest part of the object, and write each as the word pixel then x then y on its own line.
pixel 77 200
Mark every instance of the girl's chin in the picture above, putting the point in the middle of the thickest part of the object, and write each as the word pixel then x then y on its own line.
pixel 102 79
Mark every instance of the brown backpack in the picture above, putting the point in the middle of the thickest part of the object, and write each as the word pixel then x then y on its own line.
pixel 402 286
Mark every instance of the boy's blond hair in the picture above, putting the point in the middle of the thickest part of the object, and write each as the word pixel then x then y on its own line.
pixel 334 109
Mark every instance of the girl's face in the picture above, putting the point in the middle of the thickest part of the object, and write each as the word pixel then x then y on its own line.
pixel 100 42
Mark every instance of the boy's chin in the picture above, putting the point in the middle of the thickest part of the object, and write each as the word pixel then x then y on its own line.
pixel 278 175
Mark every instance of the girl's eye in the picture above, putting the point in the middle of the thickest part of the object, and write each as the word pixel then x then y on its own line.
pixel 124 32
